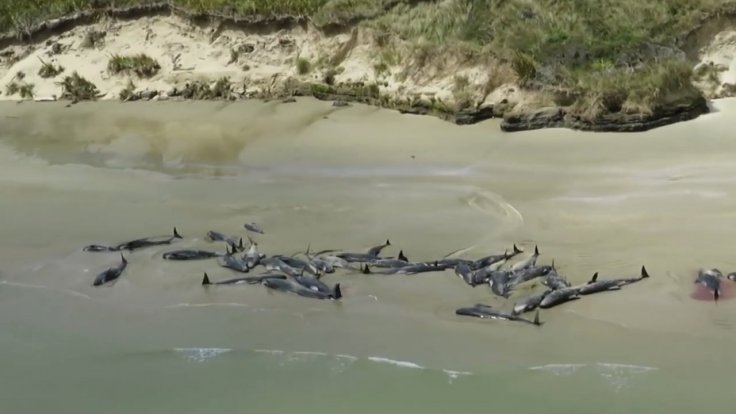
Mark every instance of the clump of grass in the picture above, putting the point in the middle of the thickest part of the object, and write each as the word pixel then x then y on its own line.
pixel 373 90
pixel 460 84
pixel 728 90
pixel 49 70
pixel 196 90
pixel 93 38
pixel 234 56
pixel 56 48
pixel 201 90
pixel 141 64
pixel 423 52
pixel 709 72
pixel 329 77
pixel 12 88
pixel 18 86
pixel 222 88
pixel 391 56
pixel 303 66
pixel 460 91
pixel 176 61
pixel 380 68
pixel 318 90
pixel 500 74
pixel 26 90
pixel 76 88
pixel 524 66
pixel 353 90
pixel 128 92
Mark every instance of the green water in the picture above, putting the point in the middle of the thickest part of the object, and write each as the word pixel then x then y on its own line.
pixel 158 342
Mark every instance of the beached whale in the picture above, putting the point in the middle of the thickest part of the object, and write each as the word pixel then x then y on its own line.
pixel 190 254
pixel 250 280
pixel 482 311
pixel 235 244
pixel 290 286
pixel 135 244
pixel 559 296
pixel 112 273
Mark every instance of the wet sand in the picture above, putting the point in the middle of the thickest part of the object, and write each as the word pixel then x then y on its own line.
pixel 350 178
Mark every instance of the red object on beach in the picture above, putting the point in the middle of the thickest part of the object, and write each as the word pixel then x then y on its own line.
pixel 701 292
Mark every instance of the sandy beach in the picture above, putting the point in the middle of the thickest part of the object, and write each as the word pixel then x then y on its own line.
pixel 348 178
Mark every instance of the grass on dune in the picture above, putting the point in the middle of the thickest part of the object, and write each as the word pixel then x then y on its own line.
pixel 142 65
pixel 584 48
pixel 609 54
pixel 657 84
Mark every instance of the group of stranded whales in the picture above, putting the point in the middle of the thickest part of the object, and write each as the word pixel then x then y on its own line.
pixel 304 276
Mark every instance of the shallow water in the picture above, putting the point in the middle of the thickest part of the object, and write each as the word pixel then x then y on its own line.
pixel 308 173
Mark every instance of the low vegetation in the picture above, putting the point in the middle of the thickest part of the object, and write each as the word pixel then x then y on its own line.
pixel 603 55
pixel 93 39
pixel 668 81
pixel 303 66
pixel 356 91
pixel 128 92
pixel 12 88
pixel 202 90
pixel 19 86
pixel 49 70
pixel 461 92
pixel 141 64
pixel 23 89
pixel 76 88
pixel 26 90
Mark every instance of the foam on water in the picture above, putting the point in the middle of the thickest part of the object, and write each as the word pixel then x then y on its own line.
pixel 201 354
pixel 453 375
pixel 617 375
pixel 558 369
pixel 344 361
pixel 269 351
pixel 402 364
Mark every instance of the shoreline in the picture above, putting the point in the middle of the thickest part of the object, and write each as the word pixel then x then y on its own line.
pixel 209 56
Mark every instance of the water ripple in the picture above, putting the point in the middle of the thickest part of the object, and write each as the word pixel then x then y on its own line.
pixel 616 375
pixel 343 361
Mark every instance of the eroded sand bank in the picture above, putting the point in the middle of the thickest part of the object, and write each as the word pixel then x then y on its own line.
pixel 260 62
